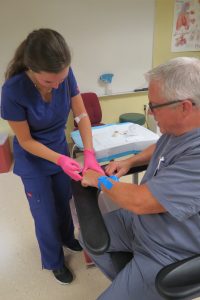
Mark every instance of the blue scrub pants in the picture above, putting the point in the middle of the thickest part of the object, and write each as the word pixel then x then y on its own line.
pixel 137 279
pixel 48 199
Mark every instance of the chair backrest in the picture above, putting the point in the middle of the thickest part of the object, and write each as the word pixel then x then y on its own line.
pixel 93 108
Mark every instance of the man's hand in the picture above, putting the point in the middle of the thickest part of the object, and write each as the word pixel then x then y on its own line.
pixel 90 178
pixel 118 168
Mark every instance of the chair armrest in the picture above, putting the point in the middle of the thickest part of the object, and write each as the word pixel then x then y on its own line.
pixel 94 233
pixel 137 169
pixel 180 280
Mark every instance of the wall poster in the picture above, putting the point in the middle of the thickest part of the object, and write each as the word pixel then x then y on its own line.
pixel 186 26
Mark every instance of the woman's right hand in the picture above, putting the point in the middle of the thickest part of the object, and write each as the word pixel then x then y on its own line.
pixel 70 166
pixel 117 168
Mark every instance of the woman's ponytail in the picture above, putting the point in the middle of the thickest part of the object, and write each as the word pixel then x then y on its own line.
pixel 16 65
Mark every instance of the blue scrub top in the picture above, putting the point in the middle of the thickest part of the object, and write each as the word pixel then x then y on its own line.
pixel 20 101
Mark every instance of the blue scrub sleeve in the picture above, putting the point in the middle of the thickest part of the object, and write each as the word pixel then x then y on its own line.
pixel 11 109
pixel 176 187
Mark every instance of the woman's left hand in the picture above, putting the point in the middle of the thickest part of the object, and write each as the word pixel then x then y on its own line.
pixel 90 162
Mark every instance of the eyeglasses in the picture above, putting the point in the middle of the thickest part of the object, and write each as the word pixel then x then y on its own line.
pixel 154 106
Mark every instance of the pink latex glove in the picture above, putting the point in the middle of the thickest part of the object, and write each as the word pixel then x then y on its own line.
pixel 90 162
pixel 70 167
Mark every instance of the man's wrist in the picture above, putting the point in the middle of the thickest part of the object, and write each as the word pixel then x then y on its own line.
pixel 104 180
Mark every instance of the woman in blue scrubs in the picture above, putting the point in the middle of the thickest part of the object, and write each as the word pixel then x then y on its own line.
pixel 37 96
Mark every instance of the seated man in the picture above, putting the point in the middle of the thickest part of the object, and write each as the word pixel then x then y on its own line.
pixel 159 220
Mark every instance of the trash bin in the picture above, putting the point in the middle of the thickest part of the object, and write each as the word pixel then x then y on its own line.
pixel 5 153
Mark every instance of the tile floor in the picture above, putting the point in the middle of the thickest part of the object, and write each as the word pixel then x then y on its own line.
pixel 21 276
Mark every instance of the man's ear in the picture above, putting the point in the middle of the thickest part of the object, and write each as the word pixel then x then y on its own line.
pixel 187 106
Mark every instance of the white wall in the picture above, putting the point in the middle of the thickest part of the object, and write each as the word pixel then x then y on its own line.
pixel 105 36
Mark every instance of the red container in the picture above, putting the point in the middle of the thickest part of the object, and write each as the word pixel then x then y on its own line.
pixel 5 154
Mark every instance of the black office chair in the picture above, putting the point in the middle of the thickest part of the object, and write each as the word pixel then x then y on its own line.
pixel 179 280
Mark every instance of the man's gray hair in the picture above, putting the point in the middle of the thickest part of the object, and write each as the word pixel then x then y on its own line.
pixel 179 79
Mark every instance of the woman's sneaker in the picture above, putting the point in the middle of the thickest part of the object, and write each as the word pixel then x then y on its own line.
pixel 63 275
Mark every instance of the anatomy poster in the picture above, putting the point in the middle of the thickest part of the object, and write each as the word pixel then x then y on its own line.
pixel 186 26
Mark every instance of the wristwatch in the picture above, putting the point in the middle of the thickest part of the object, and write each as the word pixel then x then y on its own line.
pixel 106 182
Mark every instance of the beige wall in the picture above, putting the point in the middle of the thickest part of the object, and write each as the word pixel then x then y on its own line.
pixel 162 33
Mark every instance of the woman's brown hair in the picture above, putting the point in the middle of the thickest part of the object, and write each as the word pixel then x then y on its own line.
pixel 43 50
